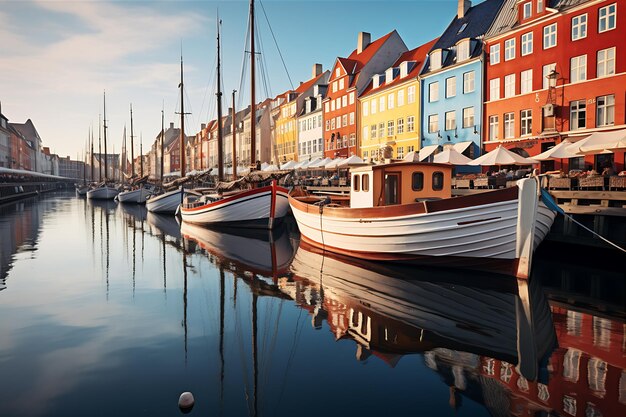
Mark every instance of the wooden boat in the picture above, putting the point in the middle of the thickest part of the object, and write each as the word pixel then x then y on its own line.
pixel 401 309
pixel 137 196
pixel 82 190
pixel 404 212
pixel 252 206
pixel 165 203
pixel 104 191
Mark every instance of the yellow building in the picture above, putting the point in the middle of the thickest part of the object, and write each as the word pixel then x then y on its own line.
pixel 390 107
pixel 290 107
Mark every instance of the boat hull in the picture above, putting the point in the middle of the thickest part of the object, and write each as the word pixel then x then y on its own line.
pixel 260 208
pixel 102 193
pixel 137 196
pixel 166 203
pixel 480 227
pixel 82 191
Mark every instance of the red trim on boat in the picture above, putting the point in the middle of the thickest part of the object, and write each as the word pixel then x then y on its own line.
pixel 234 198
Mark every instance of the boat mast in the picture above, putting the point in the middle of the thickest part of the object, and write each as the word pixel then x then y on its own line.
pixel 106 172
pixel 99 148
pixel 162 140
pixel 141 154
pixel 132 148
pixel 91 153
pixel 252 89
pixel 220 133
pixel 182 122
pixel 234 140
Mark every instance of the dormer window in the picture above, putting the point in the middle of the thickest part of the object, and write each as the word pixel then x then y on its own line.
pixel 527 10
pixel 376 80
pixel 389 75
pixel 463 26
pixel 435 59
pixel 463 50
pixel 539 6
pixel 406 67
pixel 337 72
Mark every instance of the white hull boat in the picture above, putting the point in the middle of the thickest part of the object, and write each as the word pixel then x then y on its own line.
pixel 502 227
pixel 259 207
pixel 103 193
pixel 137 196
pixel 166 203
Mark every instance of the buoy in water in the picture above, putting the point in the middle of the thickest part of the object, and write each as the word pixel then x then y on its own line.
pixel 186 402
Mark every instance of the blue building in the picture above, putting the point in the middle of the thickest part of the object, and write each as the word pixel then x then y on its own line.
pixel 452 82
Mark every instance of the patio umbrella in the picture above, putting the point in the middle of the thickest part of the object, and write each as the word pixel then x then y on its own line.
pixel 264 165
pixel 427 151
pixel 307 164
pixel 501 156
pixel 600 141
pixel 270 168
pixel 351 161
pixel 560 151
pixel 289 165
pixel 452 157
pixel 320 163
pixel 333 164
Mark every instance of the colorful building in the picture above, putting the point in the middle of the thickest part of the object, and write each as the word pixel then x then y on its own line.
pixel 555 70
pixel 390 108
pixel 348 79
pixel 310 125
pixel 452 82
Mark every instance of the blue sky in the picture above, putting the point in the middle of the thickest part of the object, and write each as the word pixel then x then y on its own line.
pixel 57 57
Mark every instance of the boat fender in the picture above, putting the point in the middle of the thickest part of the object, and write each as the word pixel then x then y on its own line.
pixel 186 402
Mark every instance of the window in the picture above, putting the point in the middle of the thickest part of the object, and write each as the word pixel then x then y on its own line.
pixel 327 125
pixel 391 101
pixel 435 60
pixel 494 54
pixel 494 89
pixel 462 50
pixel 509 85
pixel 381 104
pixel 526 122
pixel 410 124
pixel 366 132
pixel 341 84
pixel 547 69
pixel 351 118
pixel 527 43
pixel 433 123
pixel 400 152
pixel 326 107
pixel 606 62
pixel 417 181
pixel 373 106
pixel 352 139
pixel 337 72
pixel 338 103
pixel 468 82
pixel 526 85
pixel 509 49
pixel 539 6
pixel 381 129
pixel 606 18
pixel 334 86
pixel 605 110
pixel 450 120
pixel 400 98
pixel 578 69
pixel 494 125
pixel 365 182
pixel 468 117
pixel 410 148
pixel 332 105
pixel 332 123
pixel 411 94
pixel 578 115
pixel 344 121
pixel 400 126
pixel 437 181
pixel 433 91
pixel 450 87
pixel 351 98
pixel 528 10
pixel 373 131
pixel 366 108
pixel 549 36
pixel 579 27
pixel 390 127
pixel 356 183
pixel 344 101
pixel 509 125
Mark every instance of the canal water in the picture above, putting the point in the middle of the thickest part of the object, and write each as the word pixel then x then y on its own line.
pixel 106 310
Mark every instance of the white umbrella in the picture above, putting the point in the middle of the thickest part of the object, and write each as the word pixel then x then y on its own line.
pixel 320 163
pixel 289 165
pixel 264 165
pixel 559 151
pixel 426 151
pixel 600 141
pixel 501 156
pixel 333 164
pixel 270 168
pixel 300 165
pixel 452 157
pixel 351 161
pixel 308 164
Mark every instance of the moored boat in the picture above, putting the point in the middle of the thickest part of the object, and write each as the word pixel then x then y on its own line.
pixel 165 203
pixel 137 196
pixel 404 212
pixel 103 192
pixel 82 190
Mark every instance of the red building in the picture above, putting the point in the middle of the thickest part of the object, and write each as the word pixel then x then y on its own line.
pixel 349 77
pixel 555 70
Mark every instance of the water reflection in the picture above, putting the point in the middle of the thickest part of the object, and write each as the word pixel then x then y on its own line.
pixel 130 303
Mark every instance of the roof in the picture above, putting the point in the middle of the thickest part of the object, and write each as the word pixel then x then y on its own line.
pixel 418 55
pixel 308 84
pixel 27 130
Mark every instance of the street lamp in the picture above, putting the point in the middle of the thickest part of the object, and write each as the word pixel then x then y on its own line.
pixel 552 77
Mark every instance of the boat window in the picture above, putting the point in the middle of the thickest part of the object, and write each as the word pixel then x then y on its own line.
pixel 418 181
pixel 437 181
pixel 356 183
pixel 365 182
pixel 392 189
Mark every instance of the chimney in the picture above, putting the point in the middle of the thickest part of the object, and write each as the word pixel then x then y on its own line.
pixel 317 70
pixel 363 40
pixel 202 126
pixel 171 125
pixel 462 8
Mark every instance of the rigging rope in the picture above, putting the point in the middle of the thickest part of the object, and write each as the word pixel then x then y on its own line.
pixel 276 43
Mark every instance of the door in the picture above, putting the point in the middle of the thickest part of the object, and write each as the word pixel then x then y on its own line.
pixel 392 189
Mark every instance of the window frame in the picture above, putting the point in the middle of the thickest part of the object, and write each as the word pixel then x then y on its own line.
pixel 607 18
pixel 527 44
pixel 578 27
pixel 509 49
pixel 549 34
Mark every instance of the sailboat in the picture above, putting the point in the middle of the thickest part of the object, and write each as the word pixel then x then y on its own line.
pixel 139 191
pixel 169 201
pixel 252 206
pixel 103 191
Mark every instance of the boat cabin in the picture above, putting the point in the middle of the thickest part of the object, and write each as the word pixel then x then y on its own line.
pixel 399 183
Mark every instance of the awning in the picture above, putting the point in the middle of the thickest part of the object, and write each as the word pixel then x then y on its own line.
pixel 462 146
pixel 426 151
pixel 598 142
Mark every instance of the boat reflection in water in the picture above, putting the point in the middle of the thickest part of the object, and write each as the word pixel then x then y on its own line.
pixel 477 338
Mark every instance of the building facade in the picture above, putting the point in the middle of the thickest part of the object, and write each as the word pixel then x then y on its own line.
pixel 310 125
